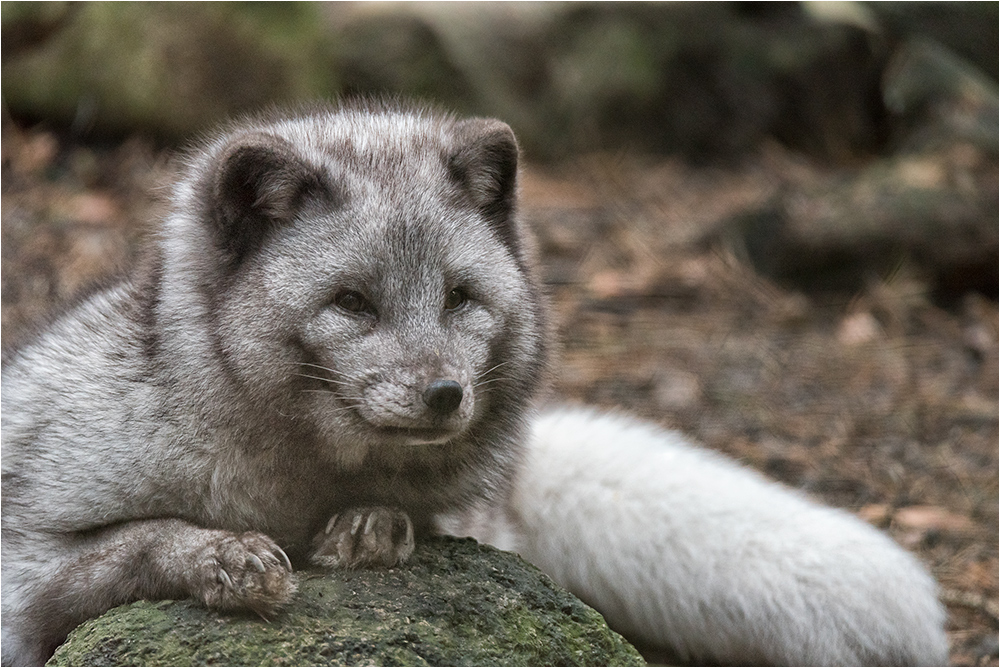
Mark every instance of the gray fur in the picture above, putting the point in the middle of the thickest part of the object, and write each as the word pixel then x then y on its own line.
pixel 259 384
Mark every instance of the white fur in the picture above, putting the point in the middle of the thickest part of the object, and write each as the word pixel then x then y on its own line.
pixel 680 548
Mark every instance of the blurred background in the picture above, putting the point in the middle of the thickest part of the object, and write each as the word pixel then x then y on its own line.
pixel 772 225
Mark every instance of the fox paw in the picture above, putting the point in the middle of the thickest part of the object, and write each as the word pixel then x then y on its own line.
pixel 370 536
pixel 245 571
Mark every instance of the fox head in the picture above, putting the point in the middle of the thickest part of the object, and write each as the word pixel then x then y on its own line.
pixel 364 271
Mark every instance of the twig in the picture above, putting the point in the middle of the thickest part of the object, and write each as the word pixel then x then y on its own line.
pixel 968 599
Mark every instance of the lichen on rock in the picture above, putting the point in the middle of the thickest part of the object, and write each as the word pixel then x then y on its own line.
pixel 455 603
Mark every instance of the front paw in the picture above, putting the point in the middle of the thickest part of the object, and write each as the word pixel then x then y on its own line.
pixel 370 536
pixel 245 571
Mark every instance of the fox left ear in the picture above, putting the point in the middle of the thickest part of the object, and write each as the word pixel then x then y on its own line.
pixel 484 164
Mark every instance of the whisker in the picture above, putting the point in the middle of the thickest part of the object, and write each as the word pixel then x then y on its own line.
pixel 325 380
pixel 476 386
pixel 318 366
pixel 336 410
pixel 353 400
pixel 490 380
pixel 494 368
pixel 332 381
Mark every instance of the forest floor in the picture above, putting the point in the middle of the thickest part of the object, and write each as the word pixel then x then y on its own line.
pixel 880 402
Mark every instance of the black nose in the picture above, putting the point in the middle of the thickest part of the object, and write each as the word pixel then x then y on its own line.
pixel 443 396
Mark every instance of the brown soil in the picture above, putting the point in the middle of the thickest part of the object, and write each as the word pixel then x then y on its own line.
pixel 879 402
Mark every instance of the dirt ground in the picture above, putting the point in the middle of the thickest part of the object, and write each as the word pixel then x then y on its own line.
pixel 880 402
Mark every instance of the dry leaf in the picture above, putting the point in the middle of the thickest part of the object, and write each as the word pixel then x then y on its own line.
pixel 858 328
pixel 927 518
pixel 875 513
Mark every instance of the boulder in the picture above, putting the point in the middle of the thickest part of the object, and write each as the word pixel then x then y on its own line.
pixel 454 603
pixel 165 69
pixel 930 204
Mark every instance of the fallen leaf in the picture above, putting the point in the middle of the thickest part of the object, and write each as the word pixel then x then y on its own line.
pixel 858 328
pixel 875 513
pixel 92 207
pixel 927 518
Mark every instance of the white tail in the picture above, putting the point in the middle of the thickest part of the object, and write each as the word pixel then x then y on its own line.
pixel 682 549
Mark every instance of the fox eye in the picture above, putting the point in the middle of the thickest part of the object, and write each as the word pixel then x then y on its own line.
pixel 352 302
pixel 455 299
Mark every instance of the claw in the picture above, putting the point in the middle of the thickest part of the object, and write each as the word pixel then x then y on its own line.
pixel 356 524
pixel 225 579
pixel 284 558
pixel 329 525
pixel 257 563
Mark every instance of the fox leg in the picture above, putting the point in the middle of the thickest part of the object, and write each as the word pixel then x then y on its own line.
pixel 52 583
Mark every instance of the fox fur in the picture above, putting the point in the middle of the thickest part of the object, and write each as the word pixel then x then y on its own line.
pixel 333 346
pixel 683 549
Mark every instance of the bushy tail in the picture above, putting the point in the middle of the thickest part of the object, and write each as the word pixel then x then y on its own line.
pixel 682 549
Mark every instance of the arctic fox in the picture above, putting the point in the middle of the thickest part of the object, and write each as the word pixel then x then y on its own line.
pixel 334 345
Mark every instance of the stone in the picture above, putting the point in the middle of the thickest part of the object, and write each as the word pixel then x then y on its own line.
pixel 454 603
pixel 931 203
pixel 168 70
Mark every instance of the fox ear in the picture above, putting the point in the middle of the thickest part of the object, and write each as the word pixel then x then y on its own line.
pixel 259 185
pixel 484 164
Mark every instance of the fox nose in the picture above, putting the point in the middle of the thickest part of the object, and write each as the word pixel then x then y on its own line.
pixel 443 396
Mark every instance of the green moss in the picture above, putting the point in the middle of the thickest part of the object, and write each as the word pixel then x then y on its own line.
pixel 455 603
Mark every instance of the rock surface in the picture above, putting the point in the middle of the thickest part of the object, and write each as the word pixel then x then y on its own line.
pixel 455 603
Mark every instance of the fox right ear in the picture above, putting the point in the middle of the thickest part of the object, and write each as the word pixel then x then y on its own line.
pixel 259 185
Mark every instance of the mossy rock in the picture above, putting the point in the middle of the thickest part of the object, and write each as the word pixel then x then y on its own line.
pixel 455 603
pixel 168 69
